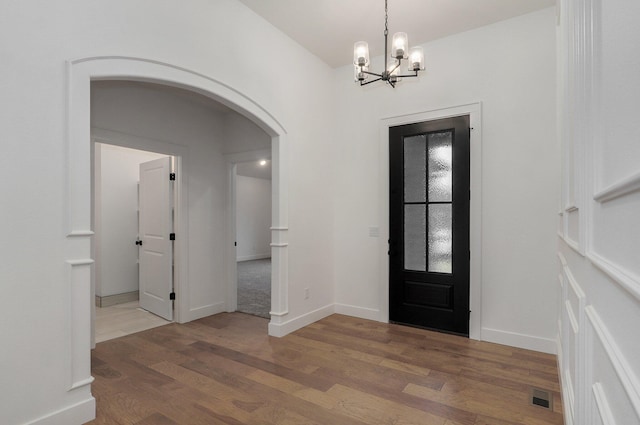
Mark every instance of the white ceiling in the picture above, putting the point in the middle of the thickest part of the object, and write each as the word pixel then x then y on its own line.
pixel 328 28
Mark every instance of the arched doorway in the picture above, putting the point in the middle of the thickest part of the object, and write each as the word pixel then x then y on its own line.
pixel 78 218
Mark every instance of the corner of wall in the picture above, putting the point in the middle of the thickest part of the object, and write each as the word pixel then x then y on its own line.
pixel 513 339
pixel 355 311
pixel 279 328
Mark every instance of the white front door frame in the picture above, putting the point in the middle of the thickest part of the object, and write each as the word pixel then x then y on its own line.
pixel 474 110
pixel 80 73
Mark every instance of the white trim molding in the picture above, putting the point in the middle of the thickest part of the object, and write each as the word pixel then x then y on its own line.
pixel 80 233
pixel 283 327
pixel 602 405
pixel 622 277
pixel 79 277
pixel 520 340
pixel 204 311
pixel 81 412
pixel 624 372
pixel 356 311
pixel 248 156
pixel 262 256
pixel 620 188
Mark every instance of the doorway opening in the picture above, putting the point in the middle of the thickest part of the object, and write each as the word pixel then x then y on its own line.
pixel 253 236
pixel 127 297
pixel 81 73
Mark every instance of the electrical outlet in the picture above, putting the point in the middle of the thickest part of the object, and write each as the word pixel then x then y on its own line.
pixel 306 293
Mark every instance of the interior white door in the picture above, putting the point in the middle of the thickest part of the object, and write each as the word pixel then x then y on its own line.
pixel 155 253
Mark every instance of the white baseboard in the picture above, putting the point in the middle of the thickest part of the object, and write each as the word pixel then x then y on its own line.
pixel 110 300
pixel 282 329
pixel 528 342
pixel 253 257
pixel 78 413
pixel 204 311
pixel 355 311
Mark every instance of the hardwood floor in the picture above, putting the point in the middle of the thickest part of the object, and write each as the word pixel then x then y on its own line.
pixel 225 370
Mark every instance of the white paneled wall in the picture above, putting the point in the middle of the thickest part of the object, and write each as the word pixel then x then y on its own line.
pixel 599 248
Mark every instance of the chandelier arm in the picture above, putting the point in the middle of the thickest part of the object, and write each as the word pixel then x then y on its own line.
pixel 369 82
pixel 415 74
pixel 371 73
pixel 395 67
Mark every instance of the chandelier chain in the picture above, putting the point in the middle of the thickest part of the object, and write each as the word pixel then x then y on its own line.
pixel 386 19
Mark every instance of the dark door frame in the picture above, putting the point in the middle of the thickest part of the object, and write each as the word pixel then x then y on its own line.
pixel 474 111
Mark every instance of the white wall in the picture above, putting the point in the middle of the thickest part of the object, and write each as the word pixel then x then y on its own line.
pixel 117 172
pixel 253 218
pixel 599 236
pixel 510 68
pixel 36 41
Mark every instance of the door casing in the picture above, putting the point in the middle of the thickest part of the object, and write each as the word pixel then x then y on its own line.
pixel 474 110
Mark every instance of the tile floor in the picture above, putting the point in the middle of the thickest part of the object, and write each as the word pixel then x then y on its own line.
pixel 124 319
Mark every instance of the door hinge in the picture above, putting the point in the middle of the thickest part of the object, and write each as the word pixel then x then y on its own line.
pixel 172 176
pixel 235 244
pixel 172 296
pixel 139 242
pixel 172 236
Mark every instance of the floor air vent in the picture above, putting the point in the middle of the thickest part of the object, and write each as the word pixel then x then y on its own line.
pixel 541 398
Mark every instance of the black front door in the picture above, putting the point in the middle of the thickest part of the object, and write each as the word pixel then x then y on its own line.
pixel 429 224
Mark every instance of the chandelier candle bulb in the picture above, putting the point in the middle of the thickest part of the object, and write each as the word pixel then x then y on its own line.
pixel 359 75
pixel 361 53
pixel 416 59
pixel 400 45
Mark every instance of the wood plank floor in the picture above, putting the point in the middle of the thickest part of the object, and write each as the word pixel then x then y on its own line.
pixel 225 370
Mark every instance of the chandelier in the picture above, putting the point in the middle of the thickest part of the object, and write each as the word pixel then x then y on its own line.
pixel 399 51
